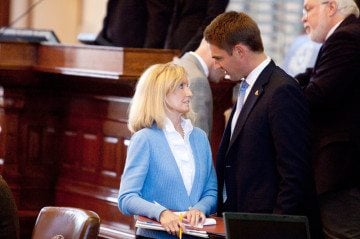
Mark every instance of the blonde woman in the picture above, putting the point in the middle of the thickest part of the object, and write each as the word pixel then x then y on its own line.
pixel 169 164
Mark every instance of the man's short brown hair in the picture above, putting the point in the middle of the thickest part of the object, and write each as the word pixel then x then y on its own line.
pixel 231 28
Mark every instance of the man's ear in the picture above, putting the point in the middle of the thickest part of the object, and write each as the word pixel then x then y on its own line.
pixel 333 8
pixel 238 50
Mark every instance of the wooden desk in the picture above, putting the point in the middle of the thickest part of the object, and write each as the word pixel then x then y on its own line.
pixel 63 116
pixel 217 231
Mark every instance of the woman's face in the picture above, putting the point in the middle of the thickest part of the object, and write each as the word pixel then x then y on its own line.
pixel 178 101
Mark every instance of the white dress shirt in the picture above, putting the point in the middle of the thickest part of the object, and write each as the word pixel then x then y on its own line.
pixel 250 79
pixel 181 150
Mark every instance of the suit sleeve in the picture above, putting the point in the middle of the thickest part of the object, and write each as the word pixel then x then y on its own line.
pixel 304 78
pixel 214 8
pixel 289 119
pixel 159 17
pixel 336 70
pixel 208 198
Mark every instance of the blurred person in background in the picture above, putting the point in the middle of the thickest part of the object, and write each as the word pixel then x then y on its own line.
pixel 171 24
pixel 332 89
pixel 200 69
pixel 9 220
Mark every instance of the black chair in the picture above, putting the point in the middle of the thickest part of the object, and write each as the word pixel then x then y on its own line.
pixel 9 220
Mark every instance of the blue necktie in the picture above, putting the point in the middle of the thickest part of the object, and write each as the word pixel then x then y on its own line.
pixel 239 104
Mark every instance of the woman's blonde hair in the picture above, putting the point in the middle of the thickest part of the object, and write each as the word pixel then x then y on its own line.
pixel 148 106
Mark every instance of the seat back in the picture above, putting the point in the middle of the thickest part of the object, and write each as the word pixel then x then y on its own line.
pixel 66 222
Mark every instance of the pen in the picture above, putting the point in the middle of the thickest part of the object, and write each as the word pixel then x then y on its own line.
pixel 180 231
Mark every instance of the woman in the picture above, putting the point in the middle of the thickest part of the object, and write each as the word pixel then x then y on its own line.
pixel 166 155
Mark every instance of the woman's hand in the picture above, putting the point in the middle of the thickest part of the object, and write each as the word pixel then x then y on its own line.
pixel 195 217
pixel 170 221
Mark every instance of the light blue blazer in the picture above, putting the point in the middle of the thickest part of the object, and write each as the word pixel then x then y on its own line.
pixel 152 182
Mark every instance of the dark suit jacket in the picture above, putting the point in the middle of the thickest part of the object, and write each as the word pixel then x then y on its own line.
pixel 9 221
pixel 136 23
pixel 174 24
pixel 333 92
pixel 189 22
pixel 266 164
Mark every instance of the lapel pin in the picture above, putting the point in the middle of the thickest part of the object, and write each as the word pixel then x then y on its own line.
pixel 257 92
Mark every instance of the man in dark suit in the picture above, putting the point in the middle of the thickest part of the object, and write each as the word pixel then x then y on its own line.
pixel 332 89
pixel 136 23
pixel 172 24
pixel 263 163
pixel 189 21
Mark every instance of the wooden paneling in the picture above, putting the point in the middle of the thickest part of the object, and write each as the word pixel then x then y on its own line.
pixel 63 115
pixel 4 12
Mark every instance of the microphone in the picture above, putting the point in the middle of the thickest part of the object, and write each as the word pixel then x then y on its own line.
pixel 32 6
pixel 6 33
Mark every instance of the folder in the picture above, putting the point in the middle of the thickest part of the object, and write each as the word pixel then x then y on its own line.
pixel 210 223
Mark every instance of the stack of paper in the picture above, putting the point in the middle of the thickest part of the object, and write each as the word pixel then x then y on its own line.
pixel 208 221
pixel 143 222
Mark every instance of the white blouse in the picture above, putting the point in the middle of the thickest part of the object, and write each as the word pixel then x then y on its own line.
pixel 181 150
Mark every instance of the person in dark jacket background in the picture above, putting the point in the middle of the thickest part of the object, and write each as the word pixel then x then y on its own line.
pixel 9 220
pixel 172 24
pixel 332 89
